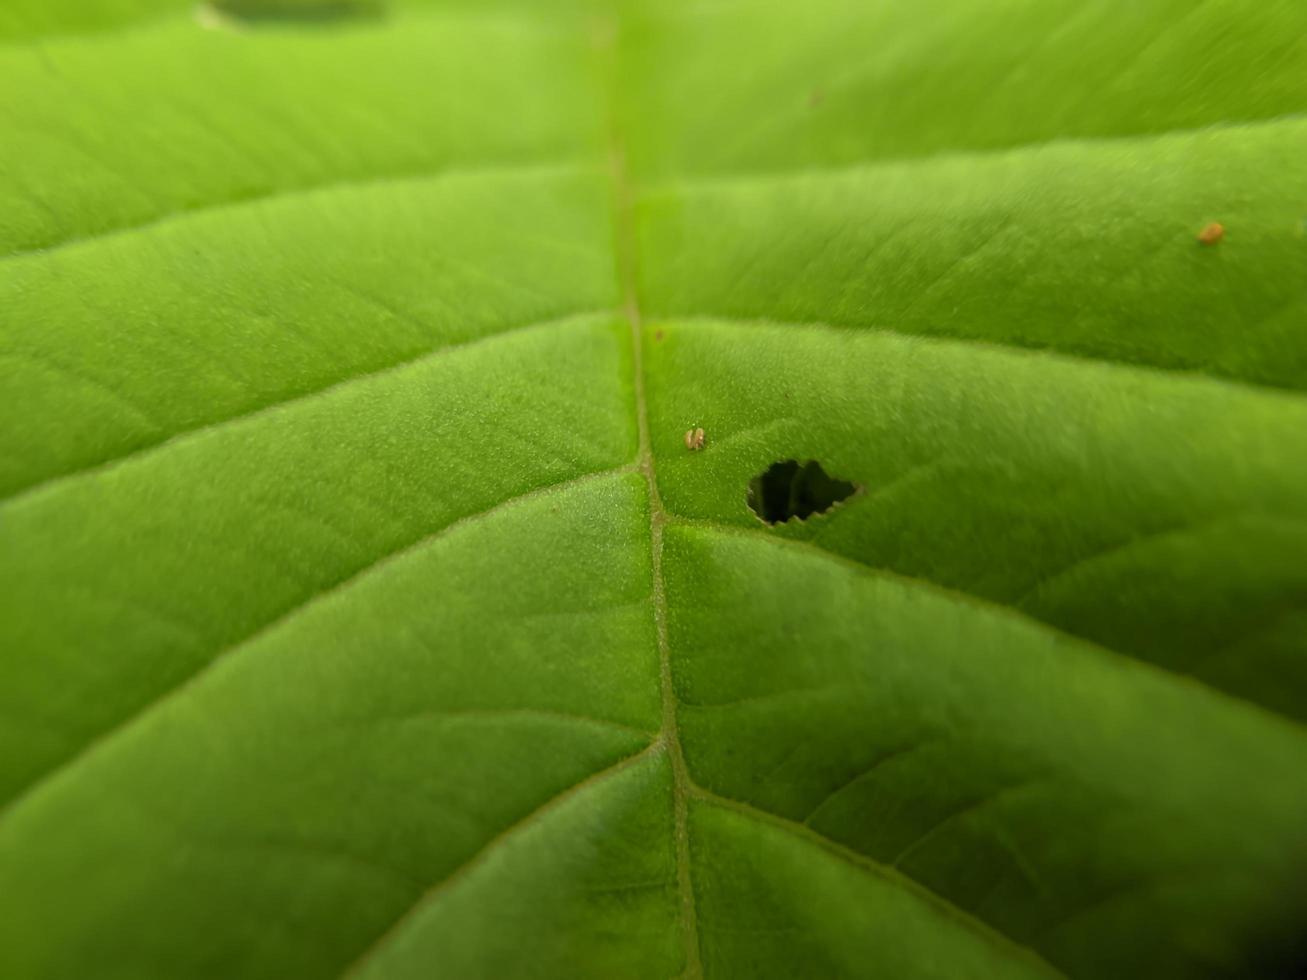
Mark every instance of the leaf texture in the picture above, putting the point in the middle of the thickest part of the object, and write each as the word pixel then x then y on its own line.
pixel 363 612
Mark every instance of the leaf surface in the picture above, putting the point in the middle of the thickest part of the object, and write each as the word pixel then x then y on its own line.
pixel 364 613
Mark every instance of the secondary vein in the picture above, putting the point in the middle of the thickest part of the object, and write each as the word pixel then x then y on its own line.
pixel 163 443
pixel 888 873
pixel 97 743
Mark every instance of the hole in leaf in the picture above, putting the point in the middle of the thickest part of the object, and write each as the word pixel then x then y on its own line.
pixel 314 11
pixel 790 489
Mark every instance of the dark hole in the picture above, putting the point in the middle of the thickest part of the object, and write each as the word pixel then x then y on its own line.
pixel 319 11
pixel 792 489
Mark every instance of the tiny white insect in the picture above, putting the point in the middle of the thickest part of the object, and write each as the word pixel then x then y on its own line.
pixel 694 439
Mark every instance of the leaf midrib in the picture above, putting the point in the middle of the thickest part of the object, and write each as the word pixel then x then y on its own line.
pixel 684 788
pixel 625 256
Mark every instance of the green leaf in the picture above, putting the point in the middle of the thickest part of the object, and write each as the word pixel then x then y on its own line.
pixel 365 610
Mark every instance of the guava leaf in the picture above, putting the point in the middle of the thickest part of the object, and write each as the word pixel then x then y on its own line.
pixel 365 609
